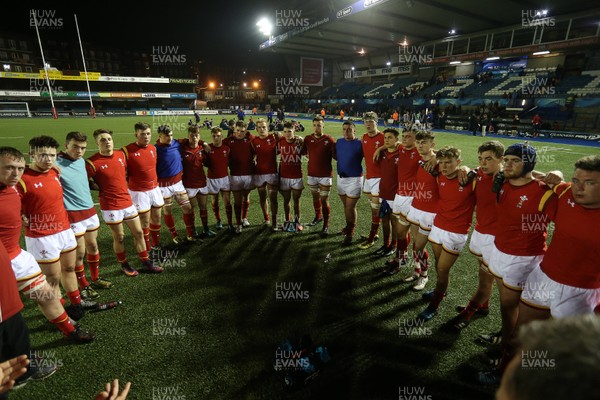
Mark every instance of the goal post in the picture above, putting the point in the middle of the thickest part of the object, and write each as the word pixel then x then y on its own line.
pixel 14 109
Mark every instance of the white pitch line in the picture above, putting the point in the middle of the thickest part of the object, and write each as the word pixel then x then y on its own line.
pixel 12 137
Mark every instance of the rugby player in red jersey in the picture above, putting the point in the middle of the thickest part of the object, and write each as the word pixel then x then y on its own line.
pixel 142 181
pixel 408 164
pixel 217 176
pixel 48 234
pixel 567 282
pixel 290 173
pixel 388 184
pixel 106 171
pixel 320 148
pixel 30 280
pixel 520 240
pixel 451 225
pixel 422 210
pixel 490 156
pixel 265 177
pixel 371 141
pixel 193 151
pixel 241 168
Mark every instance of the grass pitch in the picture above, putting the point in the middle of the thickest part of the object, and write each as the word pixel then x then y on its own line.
pixel 208 327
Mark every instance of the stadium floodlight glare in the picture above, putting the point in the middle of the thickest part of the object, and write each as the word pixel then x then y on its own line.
pixel 265 26
pixel 492 58
pixel 454 62
pixel 539 53
pixel 452 31
pixel 388 63
pixel 6 67
pixel 352 68
pixel 255 84
pixel 211 85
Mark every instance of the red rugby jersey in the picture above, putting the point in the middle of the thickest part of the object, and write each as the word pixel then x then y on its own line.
pixel 455 206
pixel 426 193
pixel 522 220
pixel 266 154
pixel 388 185
pixel 241 158
pixel 320 151
pixel 218 161
pixel 574 252
pixel 10 220
pixel 141 167
pixel 408 164
pixel 10 300
pixel 109 174
pixel 290 164
pixel 485 200
pixel 42 203
pixel 369 145
pixel 193 165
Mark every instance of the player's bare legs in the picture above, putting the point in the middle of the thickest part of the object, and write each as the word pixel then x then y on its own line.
pixel 443 262
pixel 324 199
pixel 272 189
pixel 68 278
pixel 245 207
pixel 226 195
pixel 351 216
pixel 420 259
pixel 183 200
pixel 374 203
pixel 262 199
pixel 238 200
pixel 296 196
pixel 287 196
pixel 52 271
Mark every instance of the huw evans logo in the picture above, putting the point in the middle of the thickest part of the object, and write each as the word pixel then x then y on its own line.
pixel 168 55
pixel 43 86
pixel 534 18
pixel 537 86
pixel 414 54
pixel 290 19
pixel 290 86
pixel 46 19
pixel 290 291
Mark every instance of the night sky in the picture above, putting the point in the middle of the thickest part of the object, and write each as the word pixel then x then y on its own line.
pixel 214 32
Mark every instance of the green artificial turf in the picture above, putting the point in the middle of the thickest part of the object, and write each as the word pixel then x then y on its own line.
pixel 209 326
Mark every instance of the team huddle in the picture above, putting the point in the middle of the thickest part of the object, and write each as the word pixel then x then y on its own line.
pixel 417 194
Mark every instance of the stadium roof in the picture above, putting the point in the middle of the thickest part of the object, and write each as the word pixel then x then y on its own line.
pixel 379 26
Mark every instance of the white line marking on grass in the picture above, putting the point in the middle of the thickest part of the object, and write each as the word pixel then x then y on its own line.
pixel 12 137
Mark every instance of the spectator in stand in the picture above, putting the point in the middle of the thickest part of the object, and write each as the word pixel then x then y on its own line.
pixel 515 125
pixel 536 122
pixel 395 117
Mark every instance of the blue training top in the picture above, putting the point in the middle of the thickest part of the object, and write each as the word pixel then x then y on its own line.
pixel 168 161
pixel 349 157
pixel 74 180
